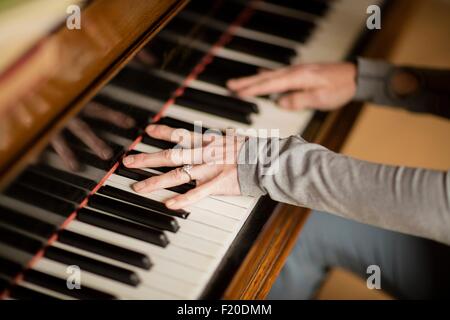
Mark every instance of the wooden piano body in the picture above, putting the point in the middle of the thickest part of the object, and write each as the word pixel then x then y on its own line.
pixel 79 63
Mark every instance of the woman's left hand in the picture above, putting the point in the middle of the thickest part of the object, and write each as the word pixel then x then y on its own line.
pixel 213 158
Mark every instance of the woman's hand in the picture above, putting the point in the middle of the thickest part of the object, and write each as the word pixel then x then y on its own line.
pixel 213 158
pixel 314 86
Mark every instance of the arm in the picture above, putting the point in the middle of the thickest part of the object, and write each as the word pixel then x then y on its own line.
pixel 329 86
pixel 413 201
pixel 417 90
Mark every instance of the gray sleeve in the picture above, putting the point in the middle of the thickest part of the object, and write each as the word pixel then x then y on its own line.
pixel 432 96
pixel 413 201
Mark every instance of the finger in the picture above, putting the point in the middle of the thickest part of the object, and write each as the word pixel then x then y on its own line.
pixel 299 100
pixel 80 129
pixel 173 178
pixel 275 84
pixel 63 150
pixel 239 84
pixel 98 111
pixel 165 158
pixel 193 196
pixel 182 137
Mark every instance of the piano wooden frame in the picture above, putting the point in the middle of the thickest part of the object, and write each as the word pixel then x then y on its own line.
pixel 127 29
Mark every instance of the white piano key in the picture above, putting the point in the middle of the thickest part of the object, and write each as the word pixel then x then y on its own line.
pixel 222 52
pixel 208 204
pixel 86 171
pixel 31 210
pixel 171 252
pixel 149 278
pixel 101 283
pixel 200 216
pixel 195 244
pixel 163 263
pixel 45 291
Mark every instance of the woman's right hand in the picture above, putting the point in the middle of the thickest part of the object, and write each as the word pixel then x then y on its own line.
pixel 305 86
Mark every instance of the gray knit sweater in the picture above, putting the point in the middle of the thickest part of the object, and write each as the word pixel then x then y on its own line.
pixel 410 200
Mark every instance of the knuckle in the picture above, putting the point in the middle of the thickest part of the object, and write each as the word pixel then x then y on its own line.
pixel 141 157
pixel 178 174
pixel 167 154
pixel 158 130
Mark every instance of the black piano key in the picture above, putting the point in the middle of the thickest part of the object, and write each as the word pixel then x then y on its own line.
pixel 235 116
pixel 140 115
pixel 59 285
pixel 19 241
pixel 139 175
pixel 142 201
pixel 26 223
pixel 128 228
pixel 88 158
pixel 88 264
pixel 9 269
pixel 145 83
pixel 173 56
pixel 316 7
pixel 78 146
pixel 175 123
pixel 213 103
pixel 64 176
pixel 4 284
pixel 200 31
pixel 131 133
pixel 282 26
pixel 52 187
pixel 40 199
pixel 206 7
pixel 94 161
pixel 22 293
pixel 269 22
pixel 261 49
pixel 133 213
pixel 249 46
pixel 162 144
pixel 105 249
pixel 220 70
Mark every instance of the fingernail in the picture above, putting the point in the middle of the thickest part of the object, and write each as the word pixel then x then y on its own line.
pixel 138 186
pixel 107 154
pixel 170 203
pixel 128 160
pixel 150 127
pixel 73 165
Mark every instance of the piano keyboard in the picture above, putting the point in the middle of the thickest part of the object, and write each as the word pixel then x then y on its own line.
pixel 129 245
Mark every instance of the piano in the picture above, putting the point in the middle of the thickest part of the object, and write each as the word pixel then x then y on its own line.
pixel 66 199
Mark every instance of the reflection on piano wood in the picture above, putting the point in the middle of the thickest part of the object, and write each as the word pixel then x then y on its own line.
pixel 130 246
